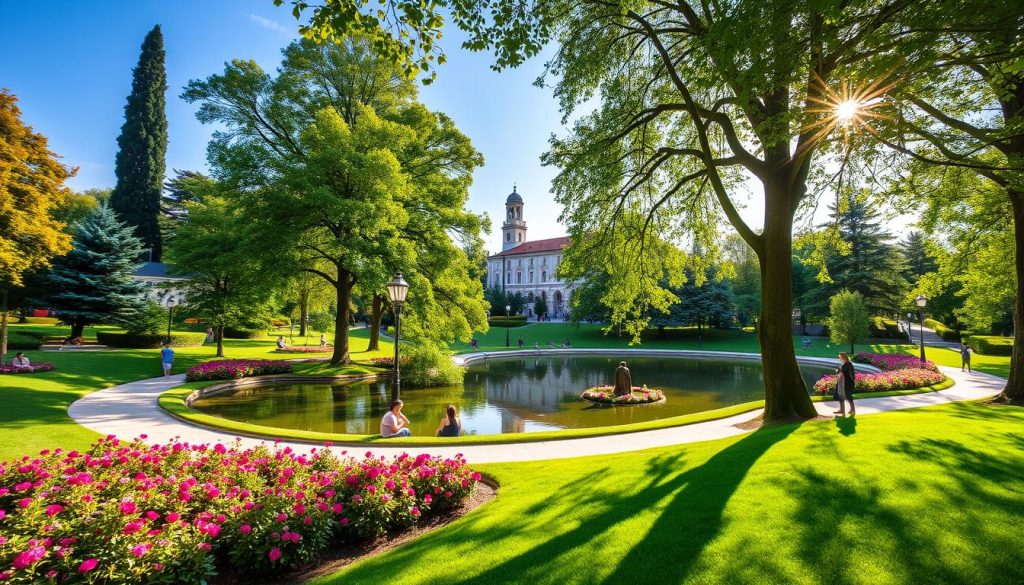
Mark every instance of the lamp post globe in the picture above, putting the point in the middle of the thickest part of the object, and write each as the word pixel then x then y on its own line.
pixel 921 301
pixel 508 309
pixel 169 302
pixel 398 289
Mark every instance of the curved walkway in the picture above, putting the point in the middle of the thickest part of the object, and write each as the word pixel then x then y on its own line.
pixel 130 410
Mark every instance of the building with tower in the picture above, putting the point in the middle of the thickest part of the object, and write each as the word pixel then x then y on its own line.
pixel 528 267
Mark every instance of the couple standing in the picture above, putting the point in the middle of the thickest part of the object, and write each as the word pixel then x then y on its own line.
pixel 845 380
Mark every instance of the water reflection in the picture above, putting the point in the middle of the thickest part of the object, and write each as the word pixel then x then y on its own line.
pixel 512 395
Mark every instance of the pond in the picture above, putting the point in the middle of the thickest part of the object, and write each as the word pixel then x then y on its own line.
pixel 504 395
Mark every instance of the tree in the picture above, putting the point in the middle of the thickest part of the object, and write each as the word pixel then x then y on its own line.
pixel 918 260
pixel 746 284
pixel 540 307
pixel 225 288
pixel 93 282
pixel 32 191
pixel 848 318
pixel 185 187
pixel 867 263
pixel 142 147
pixel 705 302
pixel 338 165
pixel 311 294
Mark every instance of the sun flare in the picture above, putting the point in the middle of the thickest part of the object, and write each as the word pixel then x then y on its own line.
pixel 846 111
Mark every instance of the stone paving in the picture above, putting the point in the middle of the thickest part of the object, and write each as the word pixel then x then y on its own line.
pixel 130 410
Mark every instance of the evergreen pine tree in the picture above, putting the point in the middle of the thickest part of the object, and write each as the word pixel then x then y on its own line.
pixel 93 283
pixel 916 258
pixel 142 145
pixel 873 267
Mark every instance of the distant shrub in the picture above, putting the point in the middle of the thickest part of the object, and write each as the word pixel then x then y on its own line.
pixel 502 321
pixel 149 340
pixel 429 366
pixel 280 321
pixel 242 333
pixel 991 344
pixel 24 340
pixel 894 361
pixel 233 369
pixel 942 331
pixel 306 349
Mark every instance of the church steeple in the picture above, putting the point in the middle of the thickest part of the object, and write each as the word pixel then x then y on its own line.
pixel 514 228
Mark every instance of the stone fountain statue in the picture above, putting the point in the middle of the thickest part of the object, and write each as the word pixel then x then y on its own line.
pixel 623 380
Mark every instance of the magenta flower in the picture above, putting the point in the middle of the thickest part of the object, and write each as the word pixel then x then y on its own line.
pixel 128 507
pixel 274 554
pixel 245 529
pixel 87 565
pixel 29 557
pixel 53 509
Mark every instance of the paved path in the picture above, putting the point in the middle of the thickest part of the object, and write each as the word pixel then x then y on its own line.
pixel 131 409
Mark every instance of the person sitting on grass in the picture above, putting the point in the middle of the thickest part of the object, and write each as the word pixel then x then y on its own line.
pixel 394 423
pixel 323 340
pixel 167 358
pixel 280 342
pixel 21 362
pixel 451 425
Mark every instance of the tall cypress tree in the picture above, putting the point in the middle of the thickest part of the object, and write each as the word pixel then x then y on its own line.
pixel 93 283
pixel 143 147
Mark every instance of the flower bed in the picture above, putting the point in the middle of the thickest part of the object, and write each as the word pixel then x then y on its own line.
pixel 229 369
pixel 606 395
pixel 33 369
pixel 894 361
pixel 387 362
pixel 306 349
pixel 908 379
pixel 128 512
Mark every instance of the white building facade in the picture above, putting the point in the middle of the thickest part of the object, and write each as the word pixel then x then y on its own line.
pixel 529 267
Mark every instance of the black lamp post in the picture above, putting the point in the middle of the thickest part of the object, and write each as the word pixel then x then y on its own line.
pixel 508 309
pixel 921 301
pixel 169 302
pixel 397 290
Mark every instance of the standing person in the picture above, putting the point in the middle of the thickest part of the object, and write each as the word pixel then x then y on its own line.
pixel 521 344
pixel 451 425
pixel 210 337
pixel 394 423
pixel 167 358
pixel 845 379
pixel 965 357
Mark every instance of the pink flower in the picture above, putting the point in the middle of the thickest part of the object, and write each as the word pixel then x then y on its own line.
pixel 25 502
pixel 414 511
pixel 87 565
pixel 128 507
pixel 53 509
pixel 337 508
pixel 173 517
pixel 282 517
pixel 274 554
pixel 30 557
pixel 245 529
pixel 139 550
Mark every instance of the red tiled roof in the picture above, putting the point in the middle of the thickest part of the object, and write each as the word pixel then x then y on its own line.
pixel 549 245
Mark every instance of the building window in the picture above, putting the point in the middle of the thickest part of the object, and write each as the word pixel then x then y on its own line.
pixel 519 278
pixel 543 276
pixel 520 237
pixel 508 237
pixel 531 277
pixel 508 278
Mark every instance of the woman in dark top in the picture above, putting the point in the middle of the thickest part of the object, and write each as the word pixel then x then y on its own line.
pixel 450 425
pixel 845 379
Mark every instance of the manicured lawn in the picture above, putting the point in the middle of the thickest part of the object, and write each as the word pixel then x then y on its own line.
pixel 34 412
pixel 921 496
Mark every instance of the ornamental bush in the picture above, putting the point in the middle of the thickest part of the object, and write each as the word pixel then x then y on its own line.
pixel 306 349
pixel 502 321
pixel 883 381
pixel 130 512
pixel 387 362
pixel 428 365
pixel 36 368
pixel 232 369
pixel 606 395
pixel 942 331
pixel 149 340
pixel 991 344
pixel 894 361
pixel 24 340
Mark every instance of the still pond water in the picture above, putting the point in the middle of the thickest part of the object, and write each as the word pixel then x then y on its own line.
pixel 504 395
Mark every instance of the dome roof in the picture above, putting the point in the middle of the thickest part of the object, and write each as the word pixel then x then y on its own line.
pixel 513 197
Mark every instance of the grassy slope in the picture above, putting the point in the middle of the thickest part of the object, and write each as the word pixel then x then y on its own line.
pixel 34 413
pixel 928 495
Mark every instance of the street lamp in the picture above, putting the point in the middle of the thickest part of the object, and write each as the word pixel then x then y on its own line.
pixel 921 301
pixel 169 302
pixel 397 290
pixel 508 309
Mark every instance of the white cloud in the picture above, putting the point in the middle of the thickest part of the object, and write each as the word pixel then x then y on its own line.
pixel 271 24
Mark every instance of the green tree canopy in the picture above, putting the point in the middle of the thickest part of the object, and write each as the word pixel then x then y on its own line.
pixel 142 147
pixel 849 318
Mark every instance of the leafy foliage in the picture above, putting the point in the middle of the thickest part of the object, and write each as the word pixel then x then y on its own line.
pixel 848 318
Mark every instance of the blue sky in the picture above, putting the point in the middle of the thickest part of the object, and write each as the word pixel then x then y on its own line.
pixel 70 62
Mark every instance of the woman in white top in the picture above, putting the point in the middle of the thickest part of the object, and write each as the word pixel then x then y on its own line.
pixel 20 362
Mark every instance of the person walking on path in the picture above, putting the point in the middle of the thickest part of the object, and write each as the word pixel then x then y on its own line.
pixel 965 357
pixel 845 378
pixel 167 359
pixel 521 343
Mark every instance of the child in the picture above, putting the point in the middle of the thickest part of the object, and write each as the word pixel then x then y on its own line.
pixel 167 359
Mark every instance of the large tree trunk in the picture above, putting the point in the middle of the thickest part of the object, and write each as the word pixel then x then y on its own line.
pixel 77 329
pixel 220 341
pixel 1014 389
pixel 344 289
pixel 376 315
pixel 303 313
pixel 785 394
pixel 3 327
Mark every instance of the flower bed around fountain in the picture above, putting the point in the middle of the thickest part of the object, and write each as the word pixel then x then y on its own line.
pixel 639 395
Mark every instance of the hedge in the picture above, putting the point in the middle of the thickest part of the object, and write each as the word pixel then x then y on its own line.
pixel 513 321
pixel 991 344
pixel 942 331
pixel 23 340
pixel 239 333
pixel 885 329
pixel 149 340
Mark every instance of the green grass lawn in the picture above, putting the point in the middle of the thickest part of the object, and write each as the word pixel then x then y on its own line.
pixel 930 495
pixel 34 413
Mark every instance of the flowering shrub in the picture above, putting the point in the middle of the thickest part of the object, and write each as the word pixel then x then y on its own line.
pixel 606 395
pixel 387 362
pixel 34 368
pixel 129 512
pixel 306 349
pixel 229 369
pixel 894 361
pixel 883 381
